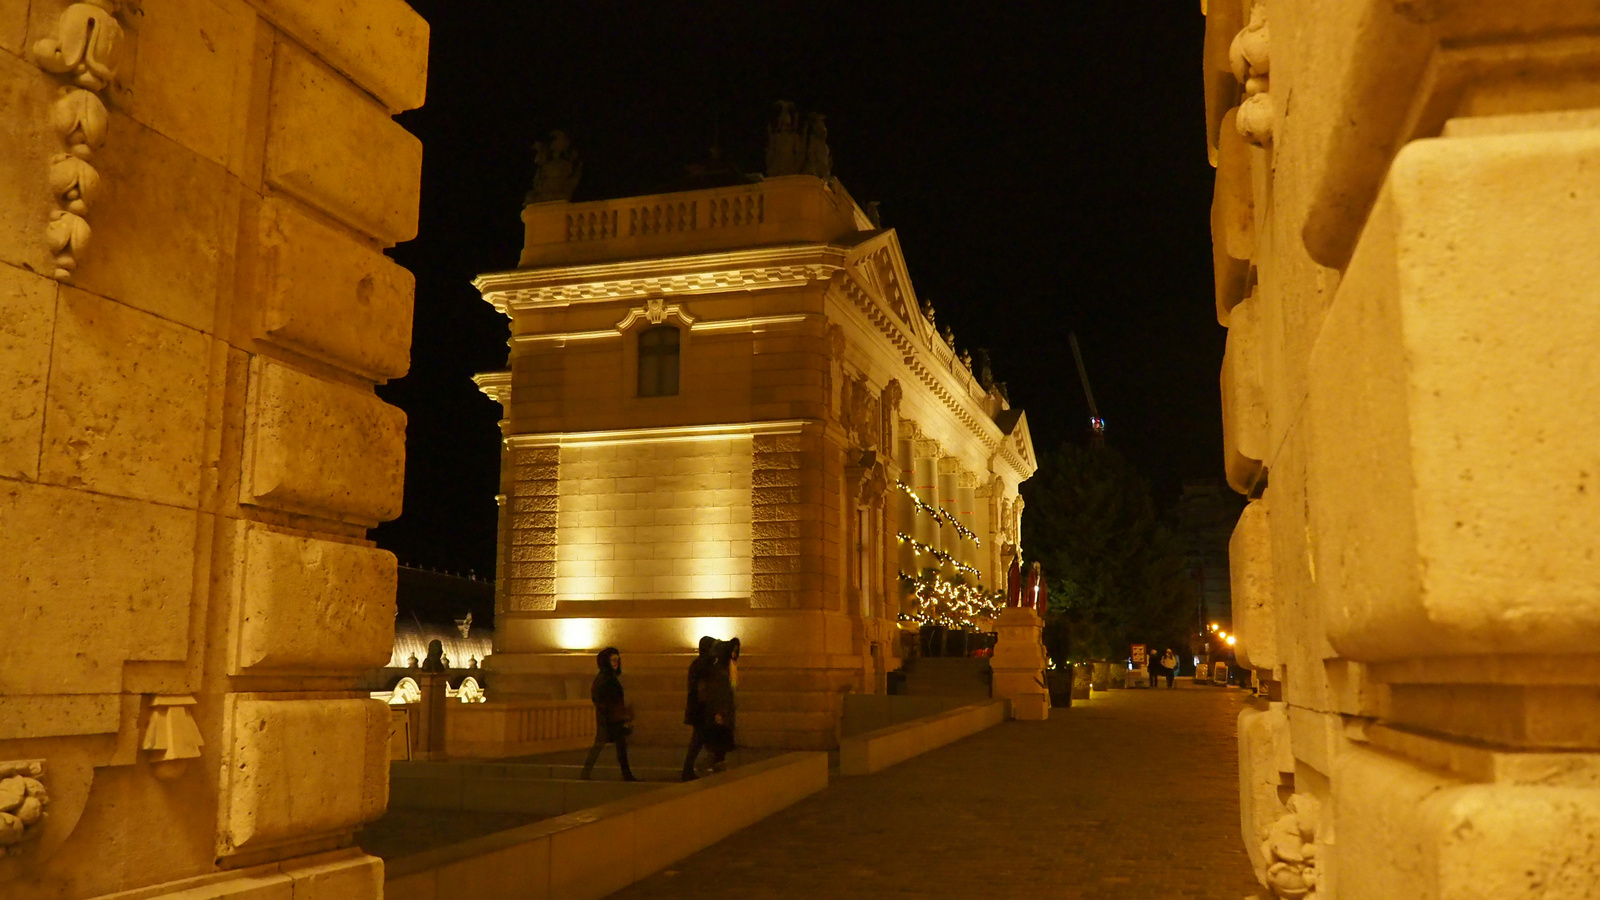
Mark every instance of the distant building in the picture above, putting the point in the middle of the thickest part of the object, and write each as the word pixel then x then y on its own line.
pixel 457 611
pixel 728 413
pixel 1207 512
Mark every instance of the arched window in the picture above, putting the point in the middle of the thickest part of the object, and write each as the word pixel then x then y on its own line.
pixel 658 361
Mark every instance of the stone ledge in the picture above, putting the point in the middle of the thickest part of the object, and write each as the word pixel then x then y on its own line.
pixel 597 851
pixel 878 750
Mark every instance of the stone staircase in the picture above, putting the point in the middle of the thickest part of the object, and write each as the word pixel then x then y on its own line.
pixel 947 676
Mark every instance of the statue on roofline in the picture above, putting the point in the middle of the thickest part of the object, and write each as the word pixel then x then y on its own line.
pixel 556 170
pixel 795 149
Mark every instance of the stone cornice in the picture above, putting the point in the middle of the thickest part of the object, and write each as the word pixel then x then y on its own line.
pixel 765 267
pixel 658 435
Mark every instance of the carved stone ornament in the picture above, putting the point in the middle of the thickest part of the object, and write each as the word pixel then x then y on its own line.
pixel 859 413
pixel 556 170
pixel 1290 849
pixel 1252 64
pixel 793 149
pixel 171 738
pixel 655 309
pixel 84 53
pixel 23 799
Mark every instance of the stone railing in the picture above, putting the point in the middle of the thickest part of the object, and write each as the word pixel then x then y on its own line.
pixel 791 209
pixel 517 728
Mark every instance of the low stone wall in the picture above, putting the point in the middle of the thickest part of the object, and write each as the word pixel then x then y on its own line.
pixel 597 851
pixel 487 787
pixel 517 728
pixel 878 750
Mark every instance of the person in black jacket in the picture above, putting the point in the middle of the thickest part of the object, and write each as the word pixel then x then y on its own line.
pixel 718 706
pixel 693 709
pixel 611 714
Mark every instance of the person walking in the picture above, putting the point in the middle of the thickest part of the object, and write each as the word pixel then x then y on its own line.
pixel 693 707
pixel 1169 662
pixel 611 714
pixel 1154 668
pixel 718 703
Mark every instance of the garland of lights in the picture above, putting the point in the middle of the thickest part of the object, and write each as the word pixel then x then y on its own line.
pixel 940 514
pixel 951 604
pixel 921 548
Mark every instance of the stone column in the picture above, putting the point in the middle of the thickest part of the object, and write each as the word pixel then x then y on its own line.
pixel 1018 664
pixel 194 308
pixel 1406 269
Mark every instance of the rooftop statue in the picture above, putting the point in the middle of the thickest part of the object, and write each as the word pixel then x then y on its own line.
pixel 793 149
pixel 819 160
pixel 786 149
pixel 556 169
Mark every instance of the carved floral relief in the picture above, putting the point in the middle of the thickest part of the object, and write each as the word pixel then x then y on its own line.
pixel 23 799
pixel 84 53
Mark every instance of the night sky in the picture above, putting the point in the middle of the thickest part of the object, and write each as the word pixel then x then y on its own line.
pixel 1044 164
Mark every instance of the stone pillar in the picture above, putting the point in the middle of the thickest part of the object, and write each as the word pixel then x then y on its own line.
pixel 1405 267
pixel 194 308
pixel 1018 664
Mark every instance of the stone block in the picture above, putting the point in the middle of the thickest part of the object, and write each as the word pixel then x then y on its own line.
pixel 1245 431
pixel 1453 479
pixel 319 447
pixel 26 95
pixel 334 148
pixel 125 412
pixel 1250 581
pixel 1409 831
pixel 355 876
pixel 381 45
pixel 115 575
pixel 1260 780
pixel 13 25
pixel 193 73
pixel 165 227
pixel 308 604
pixel 27 320
pixel 301 768
pixel 332 297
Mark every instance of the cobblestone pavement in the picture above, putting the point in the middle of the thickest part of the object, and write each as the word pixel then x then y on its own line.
pixel 1132 795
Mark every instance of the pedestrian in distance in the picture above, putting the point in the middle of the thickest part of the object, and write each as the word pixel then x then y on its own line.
pixel 1153 668
pixel 718 704
pixel 1169 662
pixel 612 715
pixel 693 707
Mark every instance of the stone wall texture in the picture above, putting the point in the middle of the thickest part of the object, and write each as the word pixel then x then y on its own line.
pixel 195 304
pixel 1405 265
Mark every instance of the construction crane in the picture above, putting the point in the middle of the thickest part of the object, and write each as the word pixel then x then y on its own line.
pixel 1097 425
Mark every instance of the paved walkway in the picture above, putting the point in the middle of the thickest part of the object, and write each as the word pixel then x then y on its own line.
pixel 1132 795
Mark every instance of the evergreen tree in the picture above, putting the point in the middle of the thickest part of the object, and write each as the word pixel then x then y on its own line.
pixel 1115 571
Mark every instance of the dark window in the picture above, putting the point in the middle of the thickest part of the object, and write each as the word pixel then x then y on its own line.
pixel 658 361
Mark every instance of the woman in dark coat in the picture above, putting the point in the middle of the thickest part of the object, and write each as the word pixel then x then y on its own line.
pixel 717 704
pixel 611 714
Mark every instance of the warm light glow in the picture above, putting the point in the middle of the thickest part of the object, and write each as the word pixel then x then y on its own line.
pixel 577 634
pixel 1213 626
pixel 720 627
pixel 1232 640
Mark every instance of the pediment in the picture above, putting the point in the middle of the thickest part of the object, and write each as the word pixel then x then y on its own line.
pixel 878 267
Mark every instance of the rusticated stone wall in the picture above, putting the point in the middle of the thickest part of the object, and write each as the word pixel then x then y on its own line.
pixel 195 196
pixel 1404 233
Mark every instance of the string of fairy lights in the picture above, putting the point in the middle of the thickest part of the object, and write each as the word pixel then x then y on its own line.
pixel 945 516
pixel 920 549
pixel 951 604
pixel 937 600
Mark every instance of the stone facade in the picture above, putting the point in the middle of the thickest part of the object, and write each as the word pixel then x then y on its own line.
pixel 194 308
pixel 768 495
pixel 1405 260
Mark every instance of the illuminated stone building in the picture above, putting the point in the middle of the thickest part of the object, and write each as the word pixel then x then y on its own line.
pixel 720 404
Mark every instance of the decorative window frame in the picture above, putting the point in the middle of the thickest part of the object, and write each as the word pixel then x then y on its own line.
pixel 655 311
